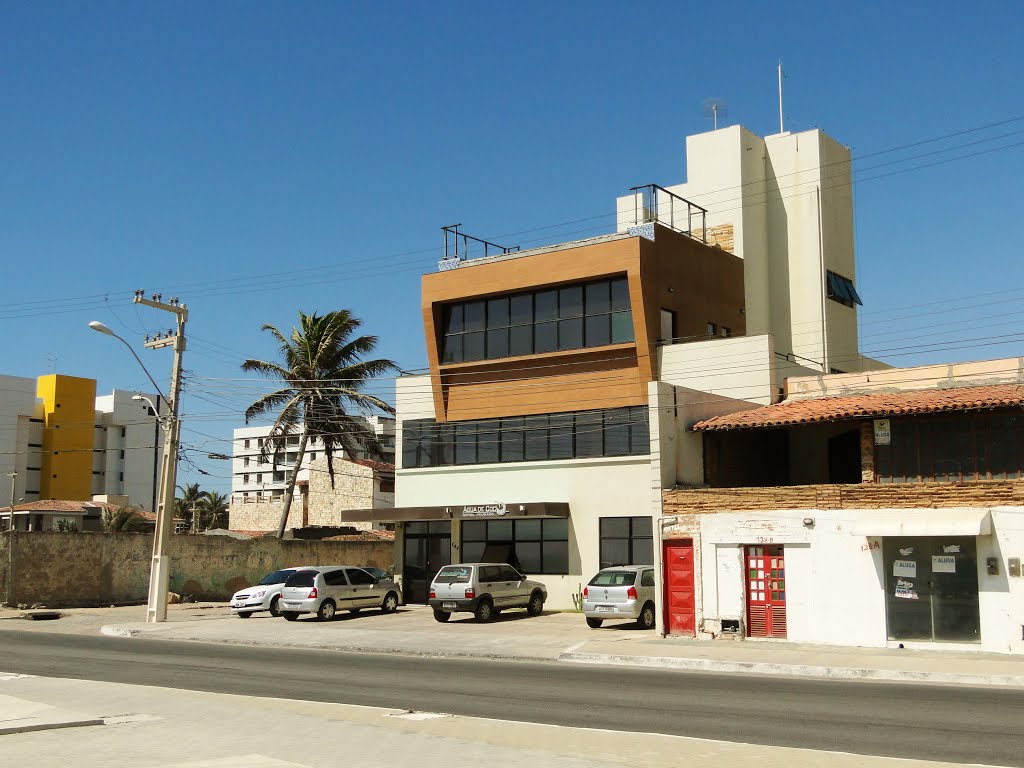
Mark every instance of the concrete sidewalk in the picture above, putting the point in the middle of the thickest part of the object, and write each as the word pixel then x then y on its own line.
pixel 553 637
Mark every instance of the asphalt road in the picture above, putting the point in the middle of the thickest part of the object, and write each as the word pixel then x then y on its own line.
pixel 968 725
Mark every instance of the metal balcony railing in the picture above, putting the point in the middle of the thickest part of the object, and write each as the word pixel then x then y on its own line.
pixel 652 203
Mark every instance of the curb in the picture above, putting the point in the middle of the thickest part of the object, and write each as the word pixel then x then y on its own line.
pixel 6 730
pixel 790 670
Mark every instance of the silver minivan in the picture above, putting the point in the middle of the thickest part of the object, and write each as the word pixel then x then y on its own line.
pixel 327 589
pixel 485 590
pixel 620 592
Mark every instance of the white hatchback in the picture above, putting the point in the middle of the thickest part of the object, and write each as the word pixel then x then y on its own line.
pixel 621 592
pixel 265 596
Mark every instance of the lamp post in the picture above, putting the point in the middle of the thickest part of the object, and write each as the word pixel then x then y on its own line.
pixel 160 571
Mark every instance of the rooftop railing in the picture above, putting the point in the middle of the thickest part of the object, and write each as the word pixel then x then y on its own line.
pixel 652 203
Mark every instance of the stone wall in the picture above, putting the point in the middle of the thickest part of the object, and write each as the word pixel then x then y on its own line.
pixel 983 493
pixel 89 569
pixel 262 514
pixel 353 489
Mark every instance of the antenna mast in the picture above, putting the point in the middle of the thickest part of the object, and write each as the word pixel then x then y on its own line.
pixel 781 129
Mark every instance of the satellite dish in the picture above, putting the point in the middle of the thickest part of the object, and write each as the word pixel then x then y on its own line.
pixel 715 108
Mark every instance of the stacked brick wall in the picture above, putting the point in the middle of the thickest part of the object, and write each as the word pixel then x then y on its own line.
pixel 985 493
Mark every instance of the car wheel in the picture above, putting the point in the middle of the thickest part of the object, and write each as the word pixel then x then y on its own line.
pixel 275 608
pixel 326 610
pixel 244 614
pixel 646 619
pixel 536 604
pixel 390 604
pixel 594 623
pixel 441 616
pixel 484 611
pixel 290 615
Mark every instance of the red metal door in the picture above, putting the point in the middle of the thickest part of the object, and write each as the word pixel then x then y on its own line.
pixel 766 592
pixel 680 607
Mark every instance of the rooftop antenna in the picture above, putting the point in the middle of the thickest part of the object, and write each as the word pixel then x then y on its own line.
pixel 51 362
pixel 715 108
pixel 781 129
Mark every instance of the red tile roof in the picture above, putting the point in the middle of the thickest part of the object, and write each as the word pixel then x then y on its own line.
pixel 875 405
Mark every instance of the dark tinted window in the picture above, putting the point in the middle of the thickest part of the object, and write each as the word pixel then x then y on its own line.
pixel 570 301
pixel 475 318
pixel 497 312
pixel 277 577
pixel 489 573
pixel 620 294
pixel 545 305
pixel 598 297
pixel 359 576
pixel 508 573
pixel 521 309
pixel 497 343
pixel 335 578
pixel 520 340
pixel 301 579
pixel 545 337
pixel 570 333
pixel 647 580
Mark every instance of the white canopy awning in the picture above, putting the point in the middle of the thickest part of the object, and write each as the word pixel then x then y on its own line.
pixel 962 521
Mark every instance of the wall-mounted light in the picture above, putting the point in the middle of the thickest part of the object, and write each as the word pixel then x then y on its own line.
pixel 808 522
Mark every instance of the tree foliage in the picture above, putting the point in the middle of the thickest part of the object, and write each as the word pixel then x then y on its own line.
pixel 320 377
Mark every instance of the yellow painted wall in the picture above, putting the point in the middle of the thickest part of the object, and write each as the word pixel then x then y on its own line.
pixel 69 413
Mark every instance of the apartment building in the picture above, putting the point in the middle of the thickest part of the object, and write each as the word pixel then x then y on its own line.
pixel 61 442
pixel 254 476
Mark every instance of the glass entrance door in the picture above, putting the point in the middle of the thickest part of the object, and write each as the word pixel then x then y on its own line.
pixel 428 547
pixel 931 588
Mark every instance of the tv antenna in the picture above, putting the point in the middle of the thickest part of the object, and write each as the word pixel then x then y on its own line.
pixel 715 108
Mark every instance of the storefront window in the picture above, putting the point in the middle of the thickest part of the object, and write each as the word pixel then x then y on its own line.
pixel 626 541
pixel 536 545
pixel 931 588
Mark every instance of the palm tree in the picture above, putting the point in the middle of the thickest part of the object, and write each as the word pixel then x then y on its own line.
pixel 213 509
pixel 322 372
pixel 186 504
pixel 122 520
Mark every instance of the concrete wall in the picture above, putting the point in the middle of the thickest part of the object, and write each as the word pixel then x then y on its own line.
pixel 86 569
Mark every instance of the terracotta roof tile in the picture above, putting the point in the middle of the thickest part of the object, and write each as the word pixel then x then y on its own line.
pixel 874 405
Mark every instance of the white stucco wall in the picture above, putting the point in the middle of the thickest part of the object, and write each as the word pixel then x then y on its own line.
pixel 835 585
pixel 593 488
pixel 788 198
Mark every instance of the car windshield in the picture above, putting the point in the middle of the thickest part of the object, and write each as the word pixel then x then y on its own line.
pixel 614 579
pixel 277 577
pixel 301 579
pixel 453 575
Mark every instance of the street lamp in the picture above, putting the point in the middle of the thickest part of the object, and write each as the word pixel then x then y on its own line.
pixel 160 571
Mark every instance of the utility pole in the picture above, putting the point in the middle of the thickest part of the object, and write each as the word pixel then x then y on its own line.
pixel 10 546
pixel 160 573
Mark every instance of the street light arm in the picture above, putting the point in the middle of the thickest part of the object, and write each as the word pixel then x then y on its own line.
pixel 96 325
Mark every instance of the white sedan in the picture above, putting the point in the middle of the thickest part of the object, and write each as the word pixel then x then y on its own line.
pixel 263 596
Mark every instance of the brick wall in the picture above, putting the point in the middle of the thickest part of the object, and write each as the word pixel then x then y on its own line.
pixel 88 569
pixel 984 493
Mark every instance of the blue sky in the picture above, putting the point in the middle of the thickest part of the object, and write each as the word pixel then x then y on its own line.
pixel 255 160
